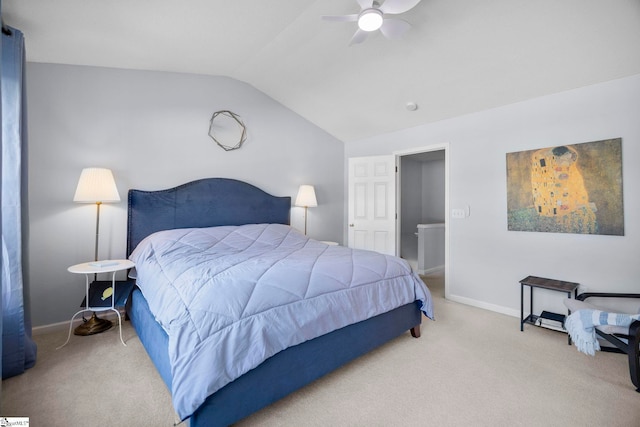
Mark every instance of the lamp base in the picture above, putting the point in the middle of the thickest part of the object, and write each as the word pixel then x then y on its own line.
pixel 95 325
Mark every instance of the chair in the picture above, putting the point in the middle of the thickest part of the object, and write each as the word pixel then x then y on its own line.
pixel 618 339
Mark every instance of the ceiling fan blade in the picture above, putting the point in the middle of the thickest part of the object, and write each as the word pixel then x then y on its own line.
pixel 395 7
pixel 358 37
pixel 365 4
pixel 394 28
pixel 341 18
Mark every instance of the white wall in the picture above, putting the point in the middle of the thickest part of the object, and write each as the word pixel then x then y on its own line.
pixel 151 129
pixel 486 261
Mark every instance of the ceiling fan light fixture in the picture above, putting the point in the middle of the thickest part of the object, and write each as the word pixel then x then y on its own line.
pixel 370 19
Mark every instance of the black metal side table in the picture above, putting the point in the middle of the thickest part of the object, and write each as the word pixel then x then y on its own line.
pixel 552 284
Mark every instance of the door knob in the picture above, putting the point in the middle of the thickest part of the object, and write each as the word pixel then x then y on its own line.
pixel 351 225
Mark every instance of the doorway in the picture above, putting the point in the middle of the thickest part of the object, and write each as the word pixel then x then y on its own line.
pixel 422 206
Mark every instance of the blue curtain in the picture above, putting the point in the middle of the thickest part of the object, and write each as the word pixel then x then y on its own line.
pixel 18 349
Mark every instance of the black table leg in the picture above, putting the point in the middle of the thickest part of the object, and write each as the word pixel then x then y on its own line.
pixel 521 307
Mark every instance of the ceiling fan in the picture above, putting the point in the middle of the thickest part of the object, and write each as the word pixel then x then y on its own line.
pixel 373 16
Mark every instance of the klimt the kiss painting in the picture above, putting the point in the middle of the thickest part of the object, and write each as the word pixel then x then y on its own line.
pixel 573 188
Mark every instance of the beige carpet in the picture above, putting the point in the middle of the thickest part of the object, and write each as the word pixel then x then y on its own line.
pixel 470 368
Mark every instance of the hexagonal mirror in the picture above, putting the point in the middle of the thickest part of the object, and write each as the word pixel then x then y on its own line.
pixel 227 130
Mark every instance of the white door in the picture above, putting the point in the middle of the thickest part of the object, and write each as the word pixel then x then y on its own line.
pixel 371 198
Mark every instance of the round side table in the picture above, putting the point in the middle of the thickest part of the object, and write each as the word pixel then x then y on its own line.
pixel 95 267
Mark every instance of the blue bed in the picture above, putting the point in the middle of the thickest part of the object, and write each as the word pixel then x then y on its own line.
pixel 225 202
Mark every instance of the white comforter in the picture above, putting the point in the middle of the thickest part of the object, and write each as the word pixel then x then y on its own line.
pixel 231 297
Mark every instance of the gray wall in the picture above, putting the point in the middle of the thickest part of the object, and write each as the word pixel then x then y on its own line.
pixel 150 128
pixel 411 190
pixel 423 192
pixel 433 191
pixel 485 260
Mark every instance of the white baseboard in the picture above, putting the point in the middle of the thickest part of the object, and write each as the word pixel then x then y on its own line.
pixel 431 270
pixel 480 304
pixel 64 326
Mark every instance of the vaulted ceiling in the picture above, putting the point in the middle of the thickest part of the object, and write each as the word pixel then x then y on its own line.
pixel 461 56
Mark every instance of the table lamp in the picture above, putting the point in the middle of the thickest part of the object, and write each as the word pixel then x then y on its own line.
pixel 307 199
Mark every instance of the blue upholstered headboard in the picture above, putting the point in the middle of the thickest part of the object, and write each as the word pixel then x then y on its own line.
pixel 202 203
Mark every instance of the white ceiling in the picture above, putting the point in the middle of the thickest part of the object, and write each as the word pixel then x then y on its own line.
pixel 461 56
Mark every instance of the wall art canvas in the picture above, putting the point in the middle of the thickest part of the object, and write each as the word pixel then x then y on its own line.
pixel 567 189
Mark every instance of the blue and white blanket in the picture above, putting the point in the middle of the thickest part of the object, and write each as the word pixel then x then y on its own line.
pixel 581 326
pixel 231 297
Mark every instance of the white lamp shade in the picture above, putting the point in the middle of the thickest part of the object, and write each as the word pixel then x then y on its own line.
pixel 306 197
pixel 96 185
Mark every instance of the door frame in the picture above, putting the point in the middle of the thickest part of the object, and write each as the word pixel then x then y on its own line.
pixel 435 147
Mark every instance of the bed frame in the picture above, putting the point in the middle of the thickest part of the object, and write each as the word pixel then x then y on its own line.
pixel 220 201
